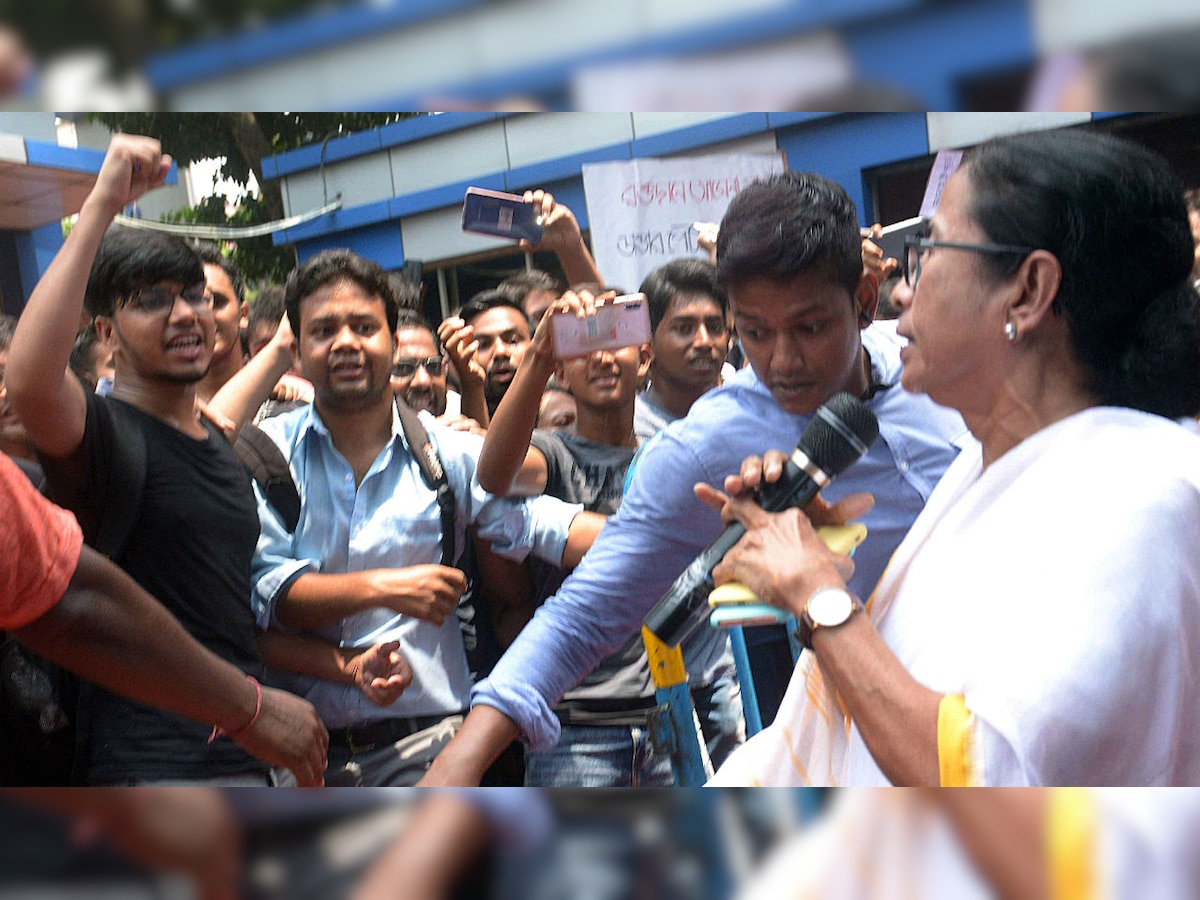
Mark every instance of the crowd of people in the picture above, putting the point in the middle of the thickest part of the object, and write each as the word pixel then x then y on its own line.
pixel 442 576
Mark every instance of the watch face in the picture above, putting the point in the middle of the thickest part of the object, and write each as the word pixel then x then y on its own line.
pixel 830 607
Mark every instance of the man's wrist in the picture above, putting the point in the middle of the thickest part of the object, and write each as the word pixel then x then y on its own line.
pixel 575 244
pixel 542 361
pixel 471 379
pixel 245 723
pixel 282 358
pixel 795 597
pixel 96 207
pixel 350 664
pixel 247 702
pixel 576 248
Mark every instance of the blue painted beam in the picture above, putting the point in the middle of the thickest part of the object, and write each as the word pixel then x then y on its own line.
pixel 300 34
pixel 380 242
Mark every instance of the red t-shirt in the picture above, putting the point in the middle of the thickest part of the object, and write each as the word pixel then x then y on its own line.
pixel 39 549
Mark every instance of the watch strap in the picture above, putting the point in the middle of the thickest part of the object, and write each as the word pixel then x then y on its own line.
pixel 805 624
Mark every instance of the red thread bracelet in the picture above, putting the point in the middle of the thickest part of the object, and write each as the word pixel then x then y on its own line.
pixel 218 731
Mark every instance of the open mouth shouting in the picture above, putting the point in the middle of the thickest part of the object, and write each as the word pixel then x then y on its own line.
pixel 347 369
pixel 186 346
pixel 421 400
pixel 502 374
pixel 703 362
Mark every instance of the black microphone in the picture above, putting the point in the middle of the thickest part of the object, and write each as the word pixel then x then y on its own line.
pixel 840 432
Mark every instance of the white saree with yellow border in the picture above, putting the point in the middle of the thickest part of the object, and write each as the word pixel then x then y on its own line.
pixel 1054 600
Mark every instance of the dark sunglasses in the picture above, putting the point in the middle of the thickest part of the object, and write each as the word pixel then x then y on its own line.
pixel 406 367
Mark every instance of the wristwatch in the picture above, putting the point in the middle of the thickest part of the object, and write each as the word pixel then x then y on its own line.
pixel 827 608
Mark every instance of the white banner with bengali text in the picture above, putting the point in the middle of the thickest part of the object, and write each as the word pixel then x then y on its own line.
pixel 641 212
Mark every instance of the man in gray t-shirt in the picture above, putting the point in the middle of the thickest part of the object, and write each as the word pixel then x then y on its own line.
pixel 619 693
pixel 605 733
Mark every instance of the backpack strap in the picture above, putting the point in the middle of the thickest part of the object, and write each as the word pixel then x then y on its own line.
pixel 269 468
pixel 432 471
pixel 126 481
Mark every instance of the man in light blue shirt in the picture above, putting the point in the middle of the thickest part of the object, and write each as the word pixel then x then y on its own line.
pixel 362 566
pixel 789 255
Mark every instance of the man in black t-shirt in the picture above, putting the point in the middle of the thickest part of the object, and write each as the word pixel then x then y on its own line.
pixel 195 523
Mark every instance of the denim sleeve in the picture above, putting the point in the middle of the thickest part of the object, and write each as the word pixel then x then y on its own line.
pixel 273 568
pixel 659 529
pixel 516 528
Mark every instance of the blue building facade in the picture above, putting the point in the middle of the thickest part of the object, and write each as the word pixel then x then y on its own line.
pixel 402 185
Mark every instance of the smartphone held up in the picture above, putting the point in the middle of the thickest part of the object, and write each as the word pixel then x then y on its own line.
pixel 620 322
pixel 501 215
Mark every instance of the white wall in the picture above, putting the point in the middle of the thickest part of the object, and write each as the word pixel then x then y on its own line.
pixel 36 125
pixel 962 129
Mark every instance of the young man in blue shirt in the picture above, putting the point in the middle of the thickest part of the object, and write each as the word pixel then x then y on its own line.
pixel 789 255
pixel 362 565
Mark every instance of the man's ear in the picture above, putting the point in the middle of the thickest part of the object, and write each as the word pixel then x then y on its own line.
pixel 105 331
pixel 866 298
pixel 645 357
pixel 560 375
pixel 244 316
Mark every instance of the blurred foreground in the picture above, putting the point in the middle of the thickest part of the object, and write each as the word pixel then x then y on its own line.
pixel 516 843
pixel 624 55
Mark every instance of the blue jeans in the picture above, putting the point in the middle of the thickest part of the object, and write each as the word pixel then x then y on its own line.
pixel 719 708
pixel 600 756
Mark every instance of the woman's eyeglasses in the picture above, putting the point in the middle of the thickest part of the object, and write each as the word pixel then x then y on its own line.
pixel 916 245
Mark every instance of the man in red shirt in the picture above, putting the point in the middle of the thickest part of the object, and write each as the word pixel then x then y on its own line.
pixel 71 605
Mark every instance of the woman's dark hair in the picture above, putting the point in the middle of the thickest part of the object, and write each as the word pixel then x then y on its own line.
pixel 330 266
pixel 1113 214
pixel 786 225
pixel 131 258
pixel 680 276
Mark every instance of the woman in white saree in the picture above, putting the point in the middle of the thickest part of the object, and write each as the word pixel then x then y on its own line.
pixel 1040 624
pixel 1039 844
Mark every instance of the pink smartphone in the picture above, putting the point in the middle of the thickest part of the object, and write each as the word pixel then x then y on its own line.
pixel 620 322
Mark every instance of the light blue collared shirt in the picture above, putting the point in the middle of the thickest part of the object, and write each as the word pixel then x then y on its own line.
pixel 391 520
pixel 661 526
